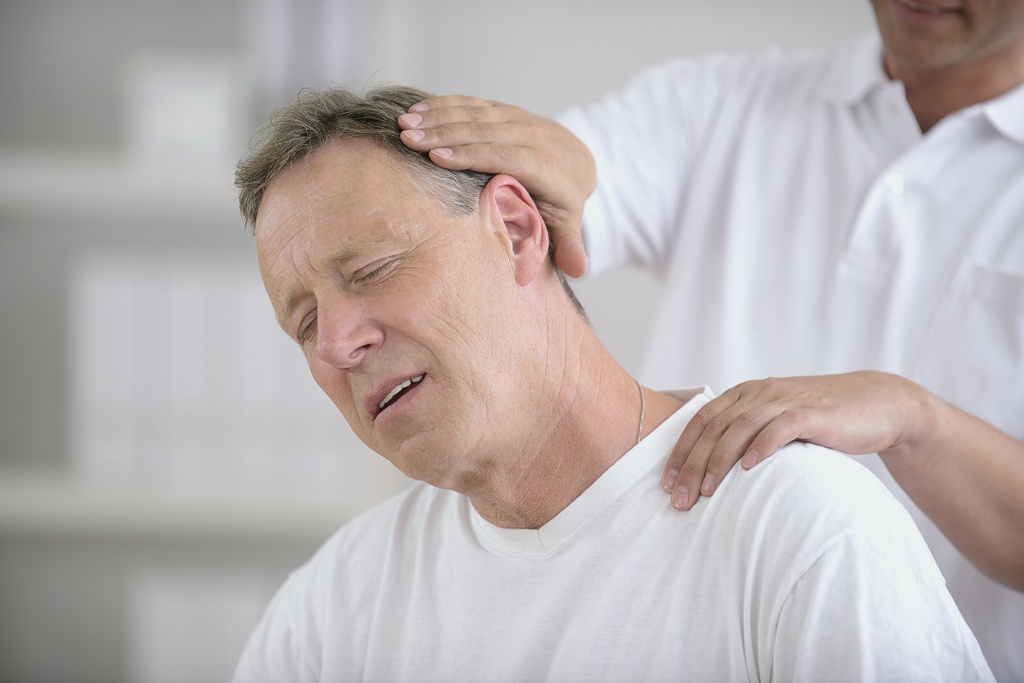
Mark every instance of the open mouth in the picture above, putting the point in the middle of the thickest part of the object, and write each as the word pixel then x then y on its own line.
pixel 397 392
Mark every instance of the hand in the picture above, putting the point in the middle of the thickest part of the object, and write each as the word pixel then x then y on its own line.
pixel 856 413
pixel 463 133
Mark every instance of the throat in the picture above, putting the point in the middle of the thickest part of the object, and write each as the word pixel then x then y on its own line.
pixel 536 492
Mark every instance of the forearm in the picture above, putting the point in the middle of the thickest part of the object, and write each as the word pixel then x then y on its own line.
pixel 967 476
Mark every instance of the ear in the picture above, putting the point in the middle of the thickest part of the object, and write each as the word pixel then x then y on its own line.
pixel 516 216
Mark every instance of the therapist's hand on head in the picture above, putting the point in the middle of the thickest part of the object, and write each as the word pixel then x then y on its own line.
pixel 468 133
pixel 856 413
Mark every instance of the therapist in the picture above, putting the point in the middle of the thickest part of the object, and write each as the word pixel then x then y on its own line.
pixel 852 220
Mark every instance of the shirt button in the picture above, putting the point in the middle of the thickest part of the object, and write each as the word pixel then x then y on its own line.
pixel 894 181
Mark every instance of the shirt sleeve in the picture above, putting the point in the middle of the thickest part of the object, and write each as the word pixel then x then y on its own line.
pixel 276 651
pixel 643 139
pixel 875 607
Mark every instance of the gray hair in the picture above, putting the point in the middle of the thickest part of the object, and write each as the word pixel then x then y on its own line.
pixel 319 117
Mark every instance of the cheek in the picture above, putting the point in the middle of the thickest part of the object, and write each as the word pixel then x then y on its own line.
pixel 335 385
pixel 445 310
pixel 473 323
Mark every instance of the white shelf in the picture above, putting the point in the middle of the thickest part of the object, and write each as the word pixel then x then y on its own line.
pixel 94 183
pixel 41 507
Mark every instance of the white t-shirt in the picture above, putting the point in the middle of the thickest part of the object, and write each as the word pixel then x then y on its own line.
pixel 798 217
pixel 805 569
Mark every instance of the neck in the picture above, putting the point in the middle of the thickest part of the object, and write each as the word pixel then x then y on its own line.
pixel 591 415
pixel 934 93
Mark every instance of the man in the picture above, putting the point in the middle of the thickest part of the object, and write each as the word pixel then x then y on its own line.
pixel 837 213
pixel 538 546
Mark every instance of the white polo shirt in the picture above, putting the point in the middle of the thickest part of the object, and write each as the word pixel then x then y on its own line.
pixel 802 224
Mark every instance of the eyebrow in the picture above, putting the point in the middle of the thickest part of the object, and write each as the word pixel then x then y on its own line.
pixel 290 304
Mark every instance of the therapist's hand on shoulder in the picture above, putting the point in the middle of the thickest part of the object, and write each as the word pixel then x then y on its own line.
pixel 468 133
pixel 856 413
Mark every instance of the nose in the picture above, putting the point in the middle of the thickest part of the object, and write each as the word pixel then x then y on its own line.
pixel 345 333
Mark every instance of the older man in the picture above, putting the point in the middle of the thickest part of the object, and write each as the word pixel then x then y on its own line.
pixel 539 545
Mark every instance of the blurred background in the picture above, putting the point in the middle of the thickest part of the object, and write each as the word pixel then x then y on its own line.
pixel 165 459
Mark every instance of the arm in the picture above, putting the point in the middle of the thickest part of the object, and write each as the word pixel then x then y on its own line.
pixel 967 476
pixel 555 167
pixel 962 472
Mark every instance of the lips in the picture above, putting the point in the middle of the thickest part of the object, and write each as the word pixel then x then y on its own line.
pixel 927 8
pixel 390 392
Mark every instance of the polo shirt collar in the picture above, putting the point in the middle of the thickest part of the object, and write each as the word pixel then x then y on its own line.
pixel 855 72
pixel 1006 113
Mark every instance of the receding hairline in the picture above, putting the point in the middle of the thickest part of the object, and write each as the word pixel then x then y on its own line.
pixel 405 166
pixel 318 117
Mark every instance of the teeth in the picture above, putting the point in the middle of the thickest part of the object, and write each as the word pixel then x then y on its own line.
pixel 394 392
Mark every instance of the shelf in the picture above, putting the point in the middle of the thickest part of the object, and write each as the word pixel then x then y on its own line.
pixel 50 507
pixel 42 182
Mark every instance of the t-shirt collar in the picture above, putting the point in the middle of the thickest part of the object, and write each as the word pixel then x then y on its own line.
pixel 634 466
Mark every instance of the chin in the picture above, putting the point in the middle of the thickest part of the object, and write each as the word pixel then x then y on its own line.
pixel 427 462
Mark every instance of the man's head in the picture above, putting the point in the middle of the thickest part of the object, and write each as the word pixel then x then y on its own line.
pixel 318 117
pixel 424 299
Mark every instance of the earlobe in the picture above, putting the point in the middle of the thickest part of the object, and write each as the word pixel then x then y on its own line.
pixel 522 223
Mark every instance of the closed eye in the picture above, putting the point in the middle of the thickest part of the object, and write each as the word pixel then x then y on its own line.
pixel 306 328
pixel 374 273
pixel 378 270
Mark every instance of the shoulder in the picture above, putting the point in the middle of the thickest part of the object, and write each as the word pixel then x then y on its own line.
pixel 841 552
pixel 767 72
pixel 808 500
pixel 369 535
pixel 818 475
pixel 821 476
pixel 710 92
pixel 340 581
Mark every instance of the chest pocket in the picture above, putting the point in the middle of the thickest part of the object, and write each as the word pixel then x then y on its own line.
pixel 974 355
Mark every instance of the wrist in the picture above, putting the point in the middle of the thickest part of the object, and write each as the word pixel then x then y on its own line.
pixel 925 418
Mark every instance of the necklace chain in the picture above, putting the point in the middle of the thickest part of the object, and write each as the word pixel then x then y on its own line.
pixel 640 429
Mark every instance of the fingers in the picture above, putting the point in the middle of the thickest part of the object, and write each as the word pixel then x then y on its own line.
pixel 441 101
pixel 789 426
pixel 854 413
pixel 456 120
pixel 489 138
pixel 722 443
pixel 687 464
pixel 423 138
pixel 487 157
pixel 732 427
pixel 468 133
pixel 570 253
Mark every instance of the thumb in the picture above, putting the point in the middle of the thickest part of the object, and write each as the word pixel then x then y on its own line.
pixel 570 252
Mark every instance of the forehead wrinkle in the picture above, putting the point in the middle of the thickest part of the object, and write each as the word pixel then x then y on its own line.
pixel 331 262
pixel 340 214
pixel 293 214
pixel 293 295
